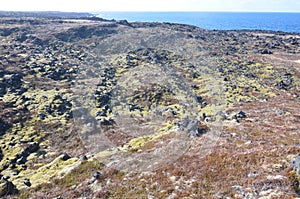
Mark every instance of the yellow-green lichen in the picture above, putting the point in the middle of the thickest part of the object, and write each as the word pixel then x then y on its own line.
pixel 57 168
pixel 141 141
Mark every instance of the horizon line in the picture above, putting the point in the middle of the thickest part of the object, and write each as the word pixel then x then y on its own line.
pixel 220 11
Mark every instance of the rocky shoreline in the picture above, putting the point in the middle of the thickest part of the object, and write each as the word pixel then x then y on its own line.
pixel 94 108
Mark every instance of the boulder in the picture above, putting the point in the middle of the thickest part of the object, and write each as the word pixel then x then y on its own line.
pixel 193 127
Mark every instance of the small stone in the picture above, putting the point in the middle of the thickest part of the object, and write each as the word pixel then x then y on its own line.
pixel 174 112
pixel 280 112
pixel 42 116
pixel 253 174
pixel 107 122
pixel 199 99
pixel 241 114
pixel 97 175
pixel 33 147
pixel 21 160
pixel 194 86
pixel 84 157
pixel 65 157
pixel 173 178
pixel 5 165
pixel 27 182
pixel 248 142
pixel 13 165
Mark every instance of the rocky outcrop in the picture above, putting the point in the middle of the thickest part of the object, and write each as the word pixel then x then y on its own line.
pixel 84 32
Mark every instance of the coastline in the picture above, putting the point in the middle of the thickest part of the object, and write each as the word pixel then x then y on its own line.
pixel 216 20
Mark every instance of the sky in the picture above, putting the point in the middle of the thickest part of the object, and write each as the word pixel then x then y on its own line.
pixel 151 5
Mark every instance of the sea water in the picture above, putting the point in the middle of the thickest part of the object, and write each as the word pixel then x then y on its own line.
pixel 286 22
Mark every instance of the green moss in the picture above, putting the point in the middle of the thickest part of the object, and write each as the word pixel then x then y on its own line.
pixel 141 141
pixel 102 155
pixel 24 194
pixel 249 82
pixel 138 142
pixel 81 171
pixel 56 168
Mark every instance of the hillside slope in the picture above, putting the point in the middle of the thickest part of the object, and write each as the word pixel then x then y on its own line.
pixel 92 108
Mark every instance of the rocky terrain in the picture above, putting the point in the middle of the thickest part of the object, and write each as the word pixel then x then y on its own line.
pixel 94 108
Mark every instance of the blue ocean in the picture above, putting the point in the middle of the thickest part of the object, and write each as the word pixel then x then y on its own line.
pixel 286 22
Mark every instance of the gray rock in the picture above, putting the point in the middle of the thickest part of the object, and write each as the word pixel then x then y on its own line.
pixel 7 187
pixel 286 82
pixel 33 147
pixel 296 164
pixel 97 175
pixel 65 157
pixel 265 52
pixel 42 116
pixel 124 22
pixel 241 115
pixel 21 160
pixel 191 127
pixel 84 158
pixel 107 122
pixel 27 182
